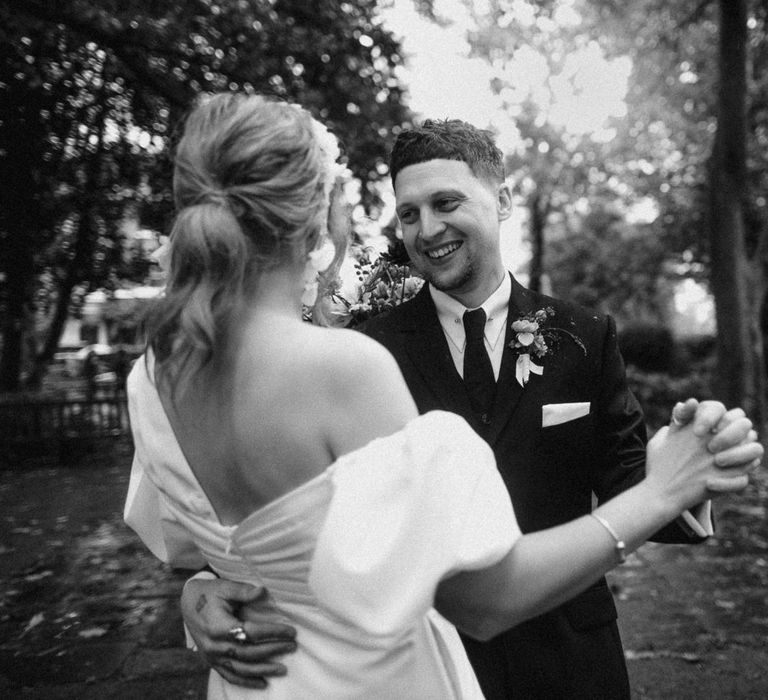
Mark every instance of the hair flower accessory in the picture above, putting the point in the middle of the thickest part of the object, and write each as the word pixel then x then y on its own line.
pixel 329 147
pixel 319 260
pixel 533 339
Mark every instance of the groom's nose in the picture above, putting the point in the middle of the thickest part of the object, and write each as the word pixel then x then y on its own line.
pixel 431 225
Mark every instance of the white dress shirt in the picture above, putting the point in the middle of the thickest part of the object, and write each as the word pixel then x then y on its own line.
pixel 450 313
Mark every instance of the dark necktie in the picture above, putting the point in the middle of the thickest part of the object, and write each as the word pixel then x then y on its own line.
pixel 478 372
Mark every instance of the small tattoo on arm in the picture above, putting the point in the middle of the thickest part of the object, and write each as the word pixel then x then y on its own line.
pixel 202 601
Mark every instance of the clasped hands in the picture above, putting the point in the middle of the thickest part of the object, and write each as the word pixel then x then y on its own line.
pixel 705 451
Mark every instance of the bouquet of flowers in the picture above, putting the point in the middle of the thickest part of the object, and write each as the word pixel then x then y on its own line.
pixel 383 281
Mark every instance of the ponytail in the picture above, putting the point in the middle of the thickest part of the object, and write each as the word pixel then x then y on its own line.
pixel 209 268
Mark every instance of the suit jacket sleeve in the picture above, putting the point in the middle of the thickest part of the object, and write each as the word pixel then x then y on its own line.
pixel 622 437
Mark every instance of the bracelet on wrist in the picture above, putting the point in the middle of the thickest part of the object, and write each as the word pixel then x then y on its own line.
pixel 620 547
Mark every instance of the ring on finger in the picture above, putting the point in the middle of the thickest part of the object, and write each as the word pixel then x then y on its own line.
pixel 238 634
pixel 676 421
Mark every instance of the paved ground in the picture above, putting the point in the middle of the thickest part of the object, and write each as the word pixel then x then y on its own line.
pixel 87 613
pixel 694 620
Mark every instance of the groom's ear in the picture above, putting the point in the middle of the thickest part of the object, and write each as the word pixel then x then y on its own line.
pixel 503 201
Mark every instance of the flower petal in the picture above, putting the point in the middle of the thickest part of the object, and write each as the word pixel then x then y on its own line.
pixel 525 339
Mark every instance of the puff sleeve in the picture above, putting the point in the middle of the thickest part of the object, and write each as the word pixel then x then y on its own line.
pixel 407 511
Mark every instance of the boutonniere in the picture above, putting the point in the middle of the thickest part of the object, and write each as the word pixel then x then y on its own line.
pixel 534 339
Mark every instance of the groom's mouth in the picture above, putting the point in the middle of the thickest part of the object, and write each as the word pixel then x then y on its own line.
pixel 442 252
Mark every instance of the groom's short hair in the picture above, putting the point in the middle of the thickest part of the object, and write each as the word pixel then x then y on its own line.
pixel 449 139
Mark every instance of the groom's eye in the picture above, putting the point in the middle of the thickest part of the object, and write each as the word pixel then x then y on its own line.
pixel 447 204
pixel 408 216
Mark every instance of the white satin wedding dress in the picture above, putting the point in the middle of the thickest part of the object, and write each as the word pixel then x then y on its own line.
pixel 351 558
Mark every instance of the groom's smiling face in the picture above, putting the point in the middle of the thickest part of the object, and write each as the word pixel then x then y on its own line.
pixel 450 220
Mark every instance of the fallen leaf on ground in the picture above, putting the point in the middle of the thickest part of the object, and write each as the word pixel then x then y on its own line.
pixel 34 621
pixel 39 576
pixel 690 657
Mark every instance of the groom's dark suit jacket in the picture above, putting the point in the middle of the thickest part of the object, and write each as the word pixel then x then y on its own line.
pixel 551 473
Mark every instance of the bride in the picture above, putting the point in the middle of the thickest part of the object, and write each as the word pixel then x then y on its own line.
pixel 291 455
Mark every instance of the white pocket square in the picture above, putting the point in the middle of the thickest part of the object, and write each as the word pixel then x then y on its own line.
pixel 557 413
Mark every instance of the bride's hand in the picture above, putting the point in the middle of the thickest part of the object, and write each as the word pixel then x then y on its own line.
pixel 710 419
pixel 712 453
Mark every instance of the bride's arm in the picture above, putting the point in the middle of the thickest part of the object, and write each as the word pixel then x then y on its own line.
pixel 547 568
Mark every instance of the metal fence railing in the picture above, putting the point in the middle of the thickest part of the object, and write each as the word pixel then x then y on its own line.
pixel 30 426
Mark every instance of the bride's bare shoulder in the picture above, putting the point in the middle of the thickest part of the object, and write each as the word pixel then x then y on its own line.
pixel 336 385
pixel 340 352
pixel 356 368
pixel 349 346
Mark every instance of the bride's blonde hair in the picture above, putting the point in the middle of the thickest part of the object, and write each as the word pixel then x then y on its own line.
pixel 252 180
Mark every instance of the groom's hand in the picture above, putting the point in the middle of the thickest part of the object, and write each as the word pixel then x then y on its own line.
pixel 212 610
pixel 735 447
pixel 708 417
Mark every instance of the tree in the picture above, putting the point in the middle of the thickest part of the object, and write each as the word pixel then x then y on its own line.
pixel 553 172
pixel 91 94
pixel 709 164
pixel 737 285
pixel 671 107
pixel 560 168
pixel 606 264
pixel 694 143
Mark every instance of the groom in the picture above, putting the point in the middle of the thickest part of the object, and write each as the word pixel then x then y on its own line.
pixel 561 421
pixel 541 380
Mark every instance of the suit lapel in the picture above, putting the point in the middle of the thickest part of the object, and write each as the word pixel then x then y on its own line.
pixel 508 390
pixel 428 350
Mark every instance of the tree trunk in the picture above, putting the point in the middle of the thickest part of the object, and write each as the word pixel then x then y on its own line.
pixel 739 363
pixel 20 223
pixel 74 274
pixel 18 283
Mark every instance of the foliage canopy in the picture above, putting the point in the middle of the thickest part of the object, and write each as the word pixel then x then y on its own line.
pixel 91 94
